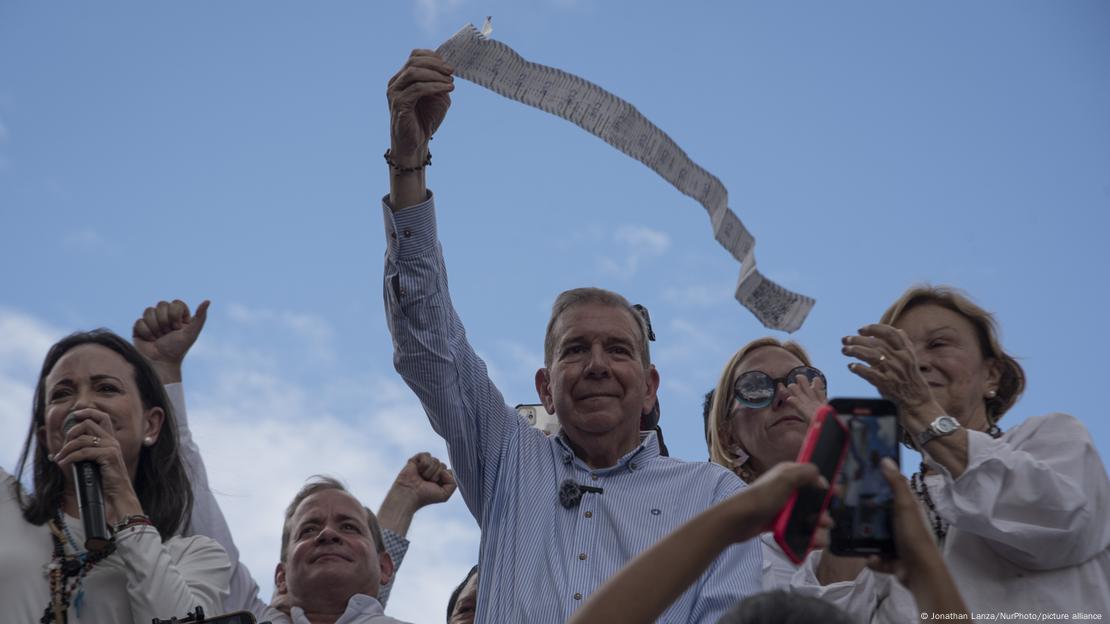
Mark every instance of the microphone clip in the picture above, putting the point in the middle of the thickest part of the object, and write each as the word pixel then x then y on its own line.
pixel 570 493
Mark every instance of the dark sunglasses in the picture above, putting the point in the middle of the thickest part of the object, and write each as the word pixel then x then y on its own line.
pixel 757 389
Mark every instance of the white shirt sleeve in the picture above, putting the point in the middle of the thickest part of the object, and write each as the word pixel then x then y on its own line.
pixel 171 578
pixel 1039 494
pixel 207 518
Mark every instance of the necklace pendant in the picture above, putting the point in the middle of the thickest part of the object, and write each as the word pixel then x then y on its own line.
pixel 70 567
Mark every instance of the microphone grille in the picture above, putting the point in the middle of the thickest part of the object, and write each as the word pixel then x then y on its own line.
pixel 69 422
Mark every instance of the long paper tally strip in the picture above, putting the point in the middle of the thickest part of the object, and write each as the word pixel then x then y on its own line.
pixel 497 67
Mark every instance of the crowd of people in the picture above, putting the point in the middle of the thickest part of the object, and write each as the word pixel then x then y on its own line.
pixel 594 523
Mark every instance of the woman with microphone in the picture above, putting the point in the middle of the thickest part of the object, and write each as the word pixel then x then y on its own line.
pixel 119 420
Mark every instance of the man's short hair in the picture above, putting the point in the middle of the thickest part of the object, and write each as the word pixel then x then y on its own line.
pixel 320 483
pixel 581 296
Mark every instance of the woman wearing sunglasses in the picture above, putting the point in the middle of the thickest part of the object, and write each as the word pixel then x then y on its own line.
pixel 762 406
pixel 1021 515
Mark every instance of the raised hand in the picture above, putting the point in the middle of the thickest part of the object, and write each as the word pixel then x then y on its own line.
pixel 427 479
pixel 93 439
pixel 165 333
pixel 424 480
pixel 890 364
pixel 806 396
pixel 760 502
pixel 419 96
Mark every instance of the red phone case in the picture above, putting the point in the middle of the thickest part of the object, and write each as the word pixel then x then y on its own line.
pixel 824 415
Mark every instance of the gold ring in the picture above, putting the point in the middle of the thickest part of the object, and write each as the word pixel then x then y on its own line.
pixel 96 440
pixel 882 358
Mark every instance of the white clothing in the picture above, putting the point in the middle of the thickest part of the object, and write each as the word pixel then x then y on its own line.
pixel 145 578
pixel 361 609
pixel 870 597
pixel 1030 520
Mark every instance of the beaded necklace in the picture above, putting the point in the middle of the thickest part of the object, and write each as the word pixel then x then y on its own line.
pixel 67 572
pixel 917 482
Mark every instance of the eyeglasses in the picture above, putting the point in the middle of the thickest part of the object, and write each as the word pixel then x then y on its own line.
pixel 756 389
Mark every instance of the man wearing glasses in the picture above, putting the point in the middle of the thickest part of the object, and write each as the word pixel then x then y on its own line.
pixel 558 514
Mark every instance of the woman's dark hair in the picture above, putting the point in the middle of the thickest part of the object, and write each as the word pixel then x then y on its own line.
pixel 458 590
pixel 782 607
pixel 160 480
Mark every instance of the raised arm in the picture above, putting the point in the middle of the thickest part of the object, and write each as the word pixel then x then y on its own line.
pixel 643 589
pixel 164 334
pixel 423 481
pixel 431 351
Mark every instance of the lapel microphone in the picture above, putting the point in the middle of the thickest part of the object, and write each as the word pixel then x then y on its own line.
pixel 570 493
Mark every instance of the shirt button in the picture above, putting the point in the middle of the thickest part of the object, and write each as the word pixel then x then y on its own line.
pixel 593 476
pixel 632 465
pixel 577 596
pixel 589 514
pixel 407 233
pixel 581 556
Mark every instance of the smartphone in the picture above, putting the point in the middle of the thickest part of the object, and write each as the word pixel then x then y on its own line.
pixel 863 514
pixel 538 417
pixel 825 444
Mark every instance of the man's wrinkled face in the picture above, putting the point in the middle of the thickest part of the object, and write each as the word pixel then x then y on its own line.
pixel 330 544
pixel 596 383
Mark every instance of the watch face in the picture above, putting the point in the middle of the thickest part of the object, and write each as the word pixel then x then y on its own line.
pixel 946 424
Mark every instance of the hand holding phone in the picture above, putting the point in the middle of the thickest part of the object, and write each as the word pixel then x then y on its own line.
pixel 825 445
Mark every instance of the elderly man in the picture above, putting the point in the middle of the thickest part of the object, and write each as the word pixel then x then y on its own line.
pixel 558 514
pixel 337 561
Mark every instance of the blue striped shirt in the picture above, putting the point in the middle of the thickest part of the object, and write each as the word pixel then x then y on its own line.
pixel 539 561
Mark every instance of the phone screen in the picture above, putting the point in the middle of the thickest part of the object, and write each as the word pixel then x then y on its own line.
pixel 825 446
pixel 863 514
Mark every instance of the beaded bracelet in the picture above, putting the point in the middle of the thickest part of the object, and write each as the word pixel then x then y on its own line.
pixel 131 521
pixel 393 165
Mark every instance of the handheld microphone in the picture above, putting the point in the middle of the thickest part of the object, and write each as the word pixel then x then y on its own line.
pixel 90 498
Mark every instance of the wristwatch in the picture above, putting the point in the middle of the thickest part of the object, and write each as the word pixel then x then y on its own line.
pixel 942 426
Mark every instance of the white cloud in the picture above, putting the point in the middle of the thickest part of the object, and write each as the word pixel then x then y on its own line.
pixel 24 341
pixel 639 242
pixel 650 242
pixel 429 12
pixel 85 240
pixel 314 331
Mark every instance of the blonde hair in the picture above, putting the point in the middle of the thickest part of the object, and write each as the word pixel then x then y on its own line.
pixel 723 395
pixel 1011 382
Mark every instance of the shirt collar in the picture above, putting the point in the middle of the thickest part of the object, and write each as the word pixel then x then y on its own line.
pixel 357 605
pixel 647 449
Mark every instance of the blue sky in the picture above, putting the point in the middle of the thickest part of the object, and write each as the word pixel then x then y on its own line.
pixel 232 151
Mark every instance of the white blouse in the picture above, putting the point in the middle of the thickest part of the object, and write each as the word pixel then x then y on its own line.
pixel 1030 520
pixel 143 579
pixel 872 597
